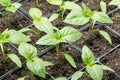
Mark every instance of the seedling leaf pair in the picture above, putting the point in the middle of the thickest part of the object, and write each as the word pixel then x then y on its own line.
pixel 85 15
pixel 64 35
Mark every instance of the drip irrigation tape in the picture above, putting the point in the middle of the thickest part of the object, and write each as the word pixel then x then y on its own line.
pixel 74 46
pixel 113 31
pixel 108 52
pixel 9 72
pixel 25 14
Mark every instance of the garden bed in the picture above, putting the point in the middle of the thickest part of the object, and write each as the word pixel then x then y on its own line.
pixel 61 67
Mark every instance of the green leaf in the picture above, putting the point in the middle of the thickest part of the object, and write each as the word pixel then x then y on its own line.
pixel 5 3
pixel 17 37
pixel 70 60
pixel 76 75
pixel 55 2
pixel 44 25
pixel 17 5
pixel 37 67
pixel 35 13
pixel 107 68
pixel 95 72
pixel 103 6
pixel 68 4
pixel 15 59
pixel 87 56
pixel 86 10
pixel 47 63
pixel 49 39
pixel 106 36
pixel 24 30
pixel 101 17
pixel 76 18
pixel 27 50
pixel 115 2
pixel 70 34
pixel 53 17
pixel 61 78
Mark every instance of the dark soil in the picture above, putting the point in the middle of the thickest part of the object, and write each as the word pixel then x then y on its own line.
pixel 61 67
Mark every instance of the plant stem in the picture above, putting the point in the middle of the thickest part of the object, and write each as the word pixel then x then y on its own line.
pixel 57 49
pixel 38 34
pixel 37 2
pixel 92 26
pixel 63 11
pixel 2 48
pixel 8 17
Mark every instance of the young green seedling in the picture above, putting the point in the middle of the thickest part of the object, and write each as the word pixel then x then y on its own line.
pixel 85 14
pixel 64 5
pixel 66 34
pixel 10 7
pixel 41 23
pixel 115 2
pixel 94 70
pixel 12 36
pixel 34 64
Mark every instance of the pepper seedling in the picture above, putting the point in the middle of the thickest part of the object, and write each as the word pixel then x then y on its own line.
pixel 94 70
pixel 41 23
pixel 12 36
pixel 34 64
pixel 10 7
pixel 64 5
pixel 55 38
pixel 85 14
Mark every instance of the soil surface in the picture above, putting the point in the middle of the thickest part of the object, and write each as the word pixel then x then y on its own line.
pixel 61 67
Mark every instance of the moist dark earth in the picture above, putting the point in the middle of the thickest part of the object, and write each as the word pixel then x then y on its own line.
pixel 61 67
